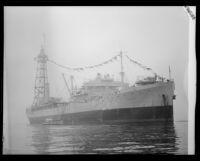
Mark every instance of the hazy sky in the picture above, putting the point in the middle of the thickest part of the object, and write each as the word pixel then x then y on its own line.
pixel 82 36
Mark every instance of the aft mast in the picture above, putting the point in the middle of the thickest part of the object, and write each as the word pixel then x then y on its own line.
pixel 122 70
pixel 169 73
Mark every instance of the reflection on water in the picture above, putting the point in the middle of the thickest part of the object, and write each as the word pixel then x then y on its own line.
pixel 137 138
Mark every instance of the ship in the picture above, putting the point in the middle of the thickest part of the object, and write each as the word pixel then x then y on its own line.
pixel 102 100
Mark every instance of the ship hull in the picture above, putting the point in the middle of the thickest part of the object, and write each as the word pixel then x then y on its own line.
pixel 135 104
pixel 157 113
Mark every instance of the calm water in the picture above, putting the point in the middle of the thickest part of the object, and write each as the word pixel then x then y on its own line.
pixel 140 138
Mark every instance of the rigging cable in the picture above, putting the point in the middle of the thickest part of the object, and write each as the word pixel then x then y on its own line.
pixel 87 67
pixel 144 67
pixel 115 58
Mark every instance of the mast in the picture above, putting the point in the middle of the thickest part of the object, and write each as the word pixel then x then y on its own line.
pixel 169 73
pixel 41 89
pixel 122 72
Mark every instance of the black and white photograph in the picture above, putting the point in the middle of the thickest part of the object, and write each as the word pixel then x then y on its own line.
pixel 99 80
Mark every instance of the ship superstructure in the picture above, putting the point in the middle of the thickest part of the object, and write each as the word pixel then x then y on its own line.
pixel 102 100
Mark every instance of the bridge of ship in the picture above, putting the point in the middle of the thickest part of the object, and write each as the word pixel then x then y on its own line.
pixel 100 86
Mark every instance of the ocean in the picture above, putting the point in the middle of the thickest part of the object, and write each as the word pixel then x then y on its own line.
pixel 126 138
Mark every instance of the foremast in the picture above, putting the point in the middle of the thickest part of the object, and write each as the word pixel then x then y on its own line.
pixel 41 89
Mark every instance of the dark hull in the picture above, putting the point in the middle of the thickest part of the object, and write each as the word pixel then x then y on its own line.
pixel 141 114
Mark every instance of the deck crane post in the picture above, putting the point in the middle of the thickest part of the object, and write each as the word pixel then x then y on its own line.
pixel 66 84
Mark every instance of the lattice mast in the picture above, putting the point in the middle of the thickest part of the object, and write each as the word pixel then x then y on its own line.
pixel 41 90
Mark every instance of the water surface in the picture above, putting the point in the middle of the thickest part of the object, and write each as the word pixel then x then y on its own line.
pixel 140 138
